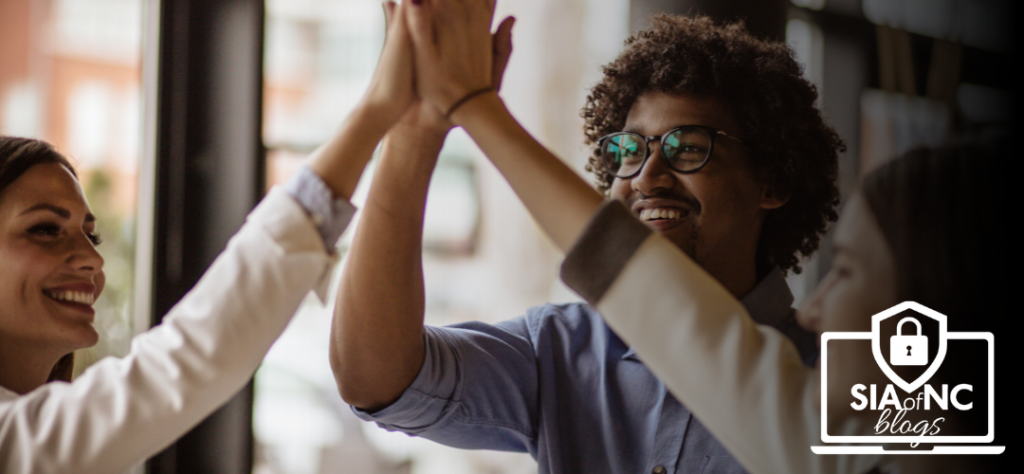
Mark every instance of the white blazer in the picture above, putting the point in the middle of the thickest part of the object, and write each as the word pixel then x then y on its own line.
pixel 121 411
pixel 744 381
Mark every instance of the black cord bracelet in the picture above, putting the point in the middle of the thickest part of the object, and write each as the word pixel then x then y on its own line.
pixel 465 99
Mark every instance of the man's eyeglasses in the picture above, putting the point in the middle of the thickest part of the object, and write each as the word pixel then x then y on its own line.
pixel 685 149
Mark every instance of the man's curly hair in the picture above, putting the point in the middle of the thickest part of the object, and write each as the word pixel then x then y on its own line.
pixel 795 151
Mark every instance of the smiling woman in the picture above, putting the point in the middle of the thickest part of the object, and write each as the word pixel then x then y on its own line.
pixel 122 410
pixel 52 274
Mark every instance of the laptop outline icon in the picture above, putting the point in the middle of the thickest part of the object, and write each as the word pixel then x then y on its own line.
pixel 872 444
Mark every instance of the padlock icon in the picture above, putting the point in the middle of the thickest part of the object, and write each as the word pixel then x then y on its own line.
pixel 908 350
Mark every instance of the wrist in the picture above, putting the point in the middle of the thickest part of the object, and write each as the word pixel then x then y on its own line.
pixel 375 117
pixel 449 94
pixel 466 98
pixel 341 159
pixel 418 135
pixel 476 106
pixel 408 160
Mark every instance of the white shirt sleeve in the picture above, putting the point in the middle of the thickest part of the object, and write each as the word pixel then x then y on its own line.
pixel 745 382
pixel 121 411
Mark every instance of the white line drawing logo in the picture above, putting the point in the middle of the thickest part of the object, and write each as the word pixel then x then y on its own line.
pixel 910 346
pixel 916 352
pixel 897 349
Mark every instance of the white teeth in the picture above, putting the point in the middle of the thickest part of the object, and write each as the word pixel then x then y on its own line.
pixel 650 214
pixel 73 296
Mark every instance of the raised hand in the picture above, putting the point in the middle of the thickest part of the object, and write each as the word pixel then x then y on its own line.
pixel 454 72
pixel 391 88
pixel 455 51
pixel 501 44
pixel 426 116
pixel 341 160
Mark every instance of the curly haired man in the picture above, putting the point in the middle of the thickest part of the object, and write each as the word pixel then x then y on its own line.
pixel 710 136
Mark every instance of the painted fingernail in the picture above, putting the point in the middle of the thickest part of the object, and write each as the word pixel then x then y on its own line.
pixel 417 2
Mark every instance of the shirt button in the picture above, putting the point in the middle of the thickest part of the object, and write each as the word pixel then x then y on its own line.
pixel 659 470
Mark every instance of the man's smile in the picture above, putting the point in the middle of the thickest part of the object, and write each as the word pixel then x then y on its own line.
pixel 663 214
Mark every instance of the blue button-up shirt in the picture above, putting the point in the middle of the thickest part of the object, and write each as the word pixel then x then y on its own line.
pixel 559 384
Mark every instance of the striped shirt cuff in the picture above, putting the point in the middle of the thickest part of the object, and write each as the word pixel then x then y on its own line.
pixel 331 216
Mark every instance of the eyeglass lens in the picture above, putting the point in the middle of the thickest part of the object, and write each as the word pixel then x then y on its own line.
pixel 684 149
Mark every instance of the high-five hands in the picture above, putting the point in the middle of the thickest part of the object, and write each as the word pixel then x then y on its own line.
pixel 455 58
pixel 432 75
pixel 377 343
pixel 391 89
pixel 340 161
pixel 456 55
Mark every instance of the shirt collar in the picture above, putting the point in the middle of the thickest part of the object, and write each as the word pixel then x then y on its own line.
pixel 769 303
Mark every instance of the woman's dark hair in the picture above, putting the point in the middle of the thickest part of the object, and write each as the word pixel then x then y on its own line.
pixel 17 155
pixel 794 151
pixel 943 212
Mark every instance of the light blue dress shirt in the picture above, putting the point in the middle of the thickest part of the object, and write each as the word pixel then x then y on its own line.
pixel 558 384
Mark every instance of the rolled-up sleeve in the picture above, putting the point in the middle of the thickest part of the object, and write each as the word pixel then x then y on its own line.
pixel 330 216
pixel 477 389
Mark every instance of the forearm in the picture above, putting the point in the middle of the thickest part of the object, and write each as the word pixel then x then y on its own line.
pixel 340 161
pixel 559 199
pixel 377 334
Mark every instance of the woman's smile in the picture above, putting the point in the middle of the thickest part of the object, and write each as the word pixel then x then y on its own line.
pixel 78 297
pixel 53 273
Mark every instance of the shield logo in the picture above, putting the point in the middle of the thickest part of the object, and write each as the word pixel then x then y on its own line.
pixel 925 316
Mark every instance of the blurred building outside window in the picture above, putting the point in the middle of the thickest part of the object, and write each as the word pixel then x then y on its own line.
pixel 71 76
pixel 484 257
